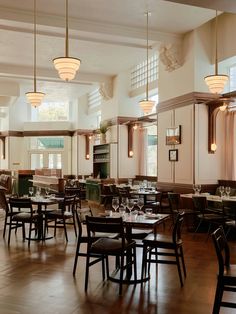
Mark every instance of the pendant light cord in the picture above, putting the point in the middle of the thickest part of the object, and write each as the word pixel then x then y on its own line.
pixel 216 43
pixel 147 57
pixel 67 45
pixel 35 46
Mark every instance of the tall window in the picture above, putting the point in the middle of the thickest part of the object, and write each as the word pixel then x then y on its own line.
pixel 94 99
pixel 51 111
pixel 232 78
pixel 46 152
pixel 139 72
pixel 152 150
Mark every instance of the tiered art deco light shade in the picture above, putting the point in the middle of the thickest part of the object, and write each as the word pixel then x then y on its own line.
pixel 146 104
pixel 67 66
pixel 35 98
pixel 216 83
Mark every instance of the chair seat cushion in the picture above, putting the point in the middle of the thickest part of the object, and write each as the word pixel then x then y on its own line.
pixel 162 241
pixel 210 217
pixel 109 246
pixel 140 233
pixel 24 216
pixel 59 214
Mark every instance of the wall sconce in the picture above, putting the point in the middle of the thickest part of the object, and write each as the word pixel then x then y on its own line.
pixel 130 140
pixel 135 126
pixel 87 156
pixel 3 139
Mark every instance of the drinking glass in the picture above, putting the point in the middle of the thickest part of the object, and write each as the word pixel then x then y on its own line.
pixel 227 191
pixel 140 203
pixel 115 203
pixel 221 189
pixel 148 211
pixel 38 192
pixel 47 191
pixel 31 190
pixel 195 188
pixel 130 204
pixel 199 188
pixel 124 201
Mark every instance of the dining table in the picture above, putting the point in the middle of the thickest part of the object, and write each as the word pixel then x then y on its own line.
pixel 145 221
pixel 145 193
pixel 41 202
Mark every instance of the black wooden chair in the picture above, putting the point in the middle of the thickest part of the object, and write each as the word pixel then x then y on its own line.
pixel 65 215
pixel 229 212
pixel 105 247
pixel 161 249
pixel 22 212
pixel 175 207
pixel 205 215
pixel 8 213
pixel 227 272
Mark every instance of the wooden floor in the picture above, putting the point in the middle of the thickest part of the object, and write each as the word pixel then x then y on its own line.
pixel 40 280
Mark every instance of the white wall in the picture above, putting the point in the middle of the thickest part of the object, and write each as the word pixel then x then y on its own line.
pixel 85 167
pixel 209 168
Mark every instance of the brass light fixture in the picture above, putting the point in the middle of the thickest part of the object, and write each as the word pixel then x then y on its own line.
pixel 67 66
pixel 146 104
pixel 35 98
pixel 216 83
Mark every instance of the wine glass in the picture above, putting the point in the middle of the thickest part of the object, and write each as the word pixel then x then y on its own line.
pixel 130 205
pixel 140 203
pixel 199 188
pixel 227 191
pixel 115 203
pixel 31 191
pixel 38 192
pixel 124 201
pixel 47 191
pixel 221 189
pixel 195 188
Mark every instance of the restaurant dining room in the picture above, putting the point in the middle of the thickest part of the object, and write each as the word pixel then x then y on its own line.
pixel 117 157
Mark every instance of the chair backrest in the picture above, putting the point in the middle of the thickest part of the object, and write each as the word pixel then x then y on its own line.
pixel 68 203
pixel 104 225
pixel 20 203
pixel 174 200
pixel 222 249
pixel 176 233
pixel 3 201
pixel 229 208
pixel 200 203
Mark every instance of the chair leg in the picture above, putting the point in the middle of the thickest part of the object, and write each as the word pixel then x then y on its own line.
pixel 74 224
pixel 86 274
pixel 218 298
pixel 199 224
pixel 76 257
pixel 23 230
pixel 144 262
pixel 121 274
pixel 178 266
pixel 55 227
pixel 5 225
pixel 30 229
pixel 183 263
pixel 9 233
pixel 107 268
pixel 135 264
pixel 64 224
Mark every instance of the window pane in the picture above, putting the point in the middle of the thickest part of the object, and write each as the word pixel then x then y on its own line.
pixel 54 111
pixel 54 161
pixel 152 151
pixel 36 161
pixel 46 142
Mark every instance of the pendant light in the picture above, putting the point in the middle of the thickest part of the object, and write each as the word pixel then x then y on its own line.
pixel 35 98
pixel 146 104
pixel 67 66
pixel 216 83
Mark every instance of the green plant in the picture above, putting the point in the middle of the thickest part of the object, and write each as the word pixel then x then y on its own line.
pixel 104 126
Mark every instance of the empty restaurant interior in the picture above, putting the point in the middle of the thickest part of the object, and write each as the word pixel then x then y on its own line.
pixel 123 109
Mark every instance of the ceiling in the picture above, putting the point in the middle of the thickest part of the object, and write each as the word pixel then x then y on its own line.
pixel 109 36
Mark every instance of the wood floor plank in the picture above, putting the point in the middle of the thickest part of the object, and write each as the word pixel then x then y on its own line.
pixel 39 280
